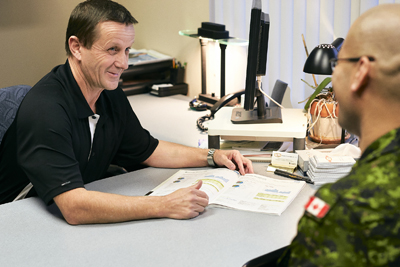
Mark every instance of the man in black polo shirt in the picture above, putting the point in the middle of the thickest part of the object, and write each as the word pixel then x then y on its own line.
pixel 76 121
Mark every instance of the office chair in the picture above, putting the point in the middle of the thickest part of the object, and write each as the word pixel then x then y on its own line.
pixel 10 99
pixel 278 92
pixel 268 260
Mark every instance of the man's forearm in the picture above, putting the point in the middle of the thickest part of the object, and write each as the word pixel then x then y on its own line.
pixel 80 206
pixel 171 155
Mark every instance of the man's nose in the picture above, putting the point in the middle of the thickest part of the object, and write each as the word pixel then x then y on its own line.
pixel 122 61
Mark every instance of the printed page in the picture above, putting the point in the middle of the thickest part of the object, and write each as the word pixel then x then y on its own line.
pixel 214 181
pixel 259 193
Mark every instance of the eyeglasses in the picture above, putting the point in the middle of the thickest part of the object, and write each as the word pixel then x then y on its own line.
pixel 334 61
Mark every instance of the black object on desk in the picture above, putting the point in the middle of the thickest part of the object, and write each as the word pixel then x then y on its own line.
pixel 293 176
pixel 177 75
pixel 138 79
pixel 176 89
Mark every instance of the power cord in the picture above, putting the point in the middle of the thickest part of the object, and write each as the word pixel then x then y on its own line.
pixel 200 106
pixel 201 120
pixel 262 91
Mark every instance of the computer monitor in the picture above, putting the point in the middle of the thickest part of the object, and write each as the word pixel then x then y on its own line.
pixel 256 68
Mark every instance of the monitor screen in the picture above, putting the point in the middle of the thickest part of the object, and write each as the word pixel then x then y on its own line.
pixel 256 68
pixel 252 55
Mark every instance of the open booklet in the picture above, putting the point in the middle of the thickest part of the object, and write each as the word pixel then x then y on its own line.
pixel 228 189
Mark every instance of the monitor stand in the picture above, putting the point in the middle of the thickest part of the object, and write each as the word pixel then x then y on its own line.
pixel 260 114
pixel 242 116
pixel 293 128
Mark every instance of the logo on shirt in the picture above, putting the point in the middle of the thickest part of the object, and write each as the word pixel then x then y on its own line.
pixel 65 183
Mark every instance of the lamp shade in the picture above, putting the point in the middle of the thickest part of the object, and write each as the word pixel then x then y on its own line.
pixel 338 43
pixel 318 62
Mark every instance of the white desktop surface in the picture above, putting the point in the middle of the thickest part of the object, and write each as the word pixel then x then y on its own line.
pixel 169 118
pixel 35 235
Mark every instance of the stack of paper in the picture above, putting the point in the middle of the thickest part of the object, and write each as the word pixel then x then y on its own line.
pixel 144 56
pixel 329 168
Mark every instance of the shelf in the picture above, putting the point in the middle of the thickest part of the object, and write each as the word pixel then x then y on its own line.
pixel 138 79
pixel 229 41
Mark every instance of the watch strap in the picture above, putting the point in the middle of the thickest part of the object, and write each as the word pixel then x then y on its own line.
pixel 210 158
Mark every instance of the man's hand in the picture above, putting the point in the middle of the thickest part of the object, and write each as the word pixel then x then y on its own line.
pixel 233 160
pixel 185 203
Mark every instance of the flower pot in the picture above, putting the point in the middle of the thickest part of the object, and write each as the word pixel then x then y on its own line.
pixel 323 122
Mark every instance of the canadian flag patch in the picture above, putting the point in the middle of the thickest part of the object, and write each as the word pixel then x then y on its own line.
pixel 317 207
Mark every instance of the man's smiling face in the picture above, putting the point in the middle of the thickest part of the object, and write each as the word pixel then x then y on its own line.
pixel 103 64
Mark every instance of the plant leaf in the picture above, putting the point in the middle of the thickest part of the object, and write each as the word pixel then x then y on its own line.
pixel 318 90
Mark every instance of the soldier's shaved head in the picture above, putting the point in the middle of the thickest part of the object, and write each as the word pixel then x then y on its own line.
pixel 368 91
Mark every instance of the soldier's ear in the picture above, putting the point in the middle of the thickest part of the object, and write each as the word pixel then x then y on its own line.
pixel 361 76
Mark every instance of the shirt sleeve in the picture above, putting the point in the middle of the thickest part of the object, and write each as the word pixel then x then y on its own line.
pixel 45 150
pixel 137 143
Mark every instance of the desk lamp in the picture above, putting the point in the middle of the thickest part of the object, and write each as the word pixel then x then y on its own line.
pixel 318 62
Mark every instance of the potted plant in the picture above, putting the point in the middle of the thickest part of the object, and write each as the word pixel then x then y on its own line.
pixel 323 111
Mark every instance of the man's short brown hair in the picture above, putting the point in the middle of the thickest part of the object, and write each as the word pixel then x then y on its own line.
pixel 86 15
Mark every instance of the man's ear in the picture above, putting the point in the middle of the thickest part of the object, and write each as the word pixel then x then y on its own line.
pixel 75 47
pixel 361 77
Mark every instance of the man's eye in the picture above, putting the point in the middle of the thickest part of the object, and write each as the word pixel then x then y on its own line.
pixel 112 49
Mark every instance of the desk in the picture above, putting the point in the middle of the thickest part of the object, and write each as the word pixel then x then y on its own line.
pixel 35 235
pixel 169 118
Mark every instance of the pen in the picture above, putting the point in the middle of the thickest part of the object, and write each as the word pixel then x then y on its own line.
pixel 293 176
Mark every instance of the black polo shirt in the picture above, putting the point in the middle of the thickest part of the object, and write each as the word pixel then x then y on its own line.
pixel 49 142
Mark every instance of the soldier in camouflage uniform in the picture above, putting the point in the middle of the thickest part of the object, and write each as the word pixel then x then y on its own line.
pixel 356 221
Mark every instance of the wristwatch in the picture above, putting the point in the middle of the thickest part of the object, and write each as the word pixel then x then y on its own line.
pixel 210 157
